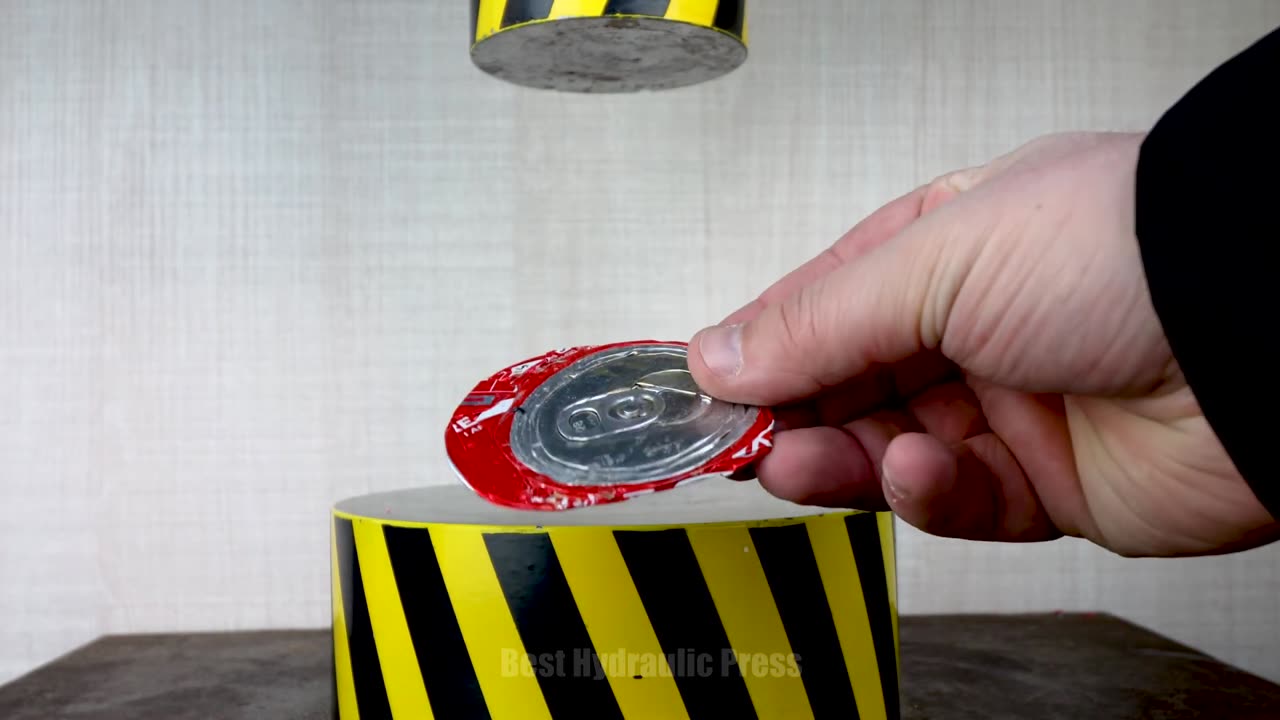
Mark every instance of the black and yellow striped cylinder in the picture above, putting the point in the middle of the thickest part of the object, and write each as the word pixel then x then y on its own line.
pixel 713 601
pixel 608 46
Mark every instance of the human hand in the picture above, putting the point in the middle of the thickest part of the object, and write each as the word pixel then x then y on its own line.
pixel 982 357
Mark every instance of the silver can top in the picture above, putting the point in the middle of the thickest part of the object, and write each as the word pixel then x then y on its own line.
pixel 624 415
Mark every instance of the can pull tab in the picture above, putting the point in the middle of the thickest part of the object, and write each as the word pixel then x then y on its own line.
pixel 666 397
pixel 674 380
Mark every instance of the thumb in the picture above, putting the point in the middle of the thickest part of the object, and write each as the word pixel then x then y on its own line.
pixel 888 305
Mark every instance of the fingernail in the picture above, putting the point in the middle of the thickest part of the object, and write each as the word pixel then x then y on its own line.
pixel 895 493
pixel 721 349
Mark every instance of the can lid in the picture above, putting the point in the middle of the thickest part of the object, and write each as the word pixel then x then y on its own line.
pixel 598 424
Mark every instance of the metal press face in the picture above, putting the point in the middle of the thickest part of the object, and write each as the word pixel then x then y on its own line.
pixel 609 54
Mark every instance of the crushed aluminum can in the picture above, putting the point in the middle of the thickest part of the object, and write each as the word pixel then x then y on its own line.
pixel 598 424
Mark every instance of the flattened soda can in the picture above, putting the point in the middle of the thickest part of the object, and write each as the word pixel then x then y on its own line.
pixel 598 424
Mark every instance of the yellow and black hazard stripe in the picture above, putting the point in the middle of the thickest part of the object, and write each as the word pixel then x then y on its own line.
pixel 786 619
pixel 489 17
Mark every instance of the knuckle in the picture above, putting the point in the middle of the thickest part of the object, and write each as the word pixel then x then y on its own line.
pixel 792 323
pixel 946 187
pixel 836 255
pixel 799 335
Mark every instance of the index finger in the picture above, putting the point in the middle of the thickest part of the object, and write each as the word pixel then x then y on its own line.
pixel 875 229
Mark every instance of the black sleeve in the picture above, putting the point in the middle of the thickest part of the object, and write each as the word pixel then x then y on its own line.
pixel 1208 212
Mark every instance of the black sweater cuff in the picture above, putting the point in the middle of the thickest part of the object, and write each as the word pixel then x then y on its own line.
pixel 1207 213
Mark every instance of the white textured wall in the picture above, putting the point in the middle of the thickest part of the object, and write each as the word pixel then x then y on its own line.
pixel 251 254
